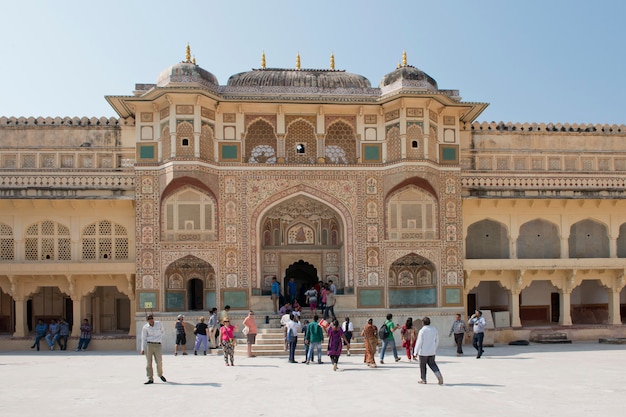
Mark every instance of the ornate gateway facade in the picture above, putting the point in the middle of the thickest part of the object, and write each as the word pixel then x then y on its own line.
pixel 200 193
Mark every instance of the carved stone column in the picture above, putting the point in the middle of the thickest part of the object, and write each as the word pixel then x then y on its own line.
pixel 614 306
pixel 514 303
pixel 77 312
pixel 21 328
pixel 565 313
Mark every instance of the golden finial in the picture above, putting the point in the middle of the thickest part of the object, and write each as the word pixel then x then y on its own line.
pixel 398 65
pixel 263 60
pixel 404 58
pixel 298 61
pixel 194 60
pixel 332 61
pixel 188 53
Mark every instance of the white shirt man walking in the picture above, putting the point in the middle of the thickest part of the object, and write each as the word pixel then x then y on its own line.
pixel 426 348
pixel 478 322
pixel 151 337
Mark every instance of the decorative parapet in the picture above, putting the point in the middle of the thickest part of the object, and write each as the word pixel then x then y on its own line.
pixel 105 181
pixel 547 127
pixel 58 121
pixel 519 182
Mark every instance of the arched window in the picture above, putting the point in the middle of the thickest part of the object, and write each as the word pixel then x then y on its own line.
pixel 588 239
pixel 189 215
pixel 412 214
pixel 487 239
pixel 104 241
pixel 538 239
pixel 47 240
pixel 7 243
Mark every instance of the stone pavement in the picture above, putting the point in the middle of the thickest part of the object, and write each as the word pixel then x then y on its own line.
pixel 581 379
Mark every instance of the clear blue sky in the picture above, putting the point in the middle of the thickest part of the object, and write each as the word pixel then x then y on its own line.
pixel 533 60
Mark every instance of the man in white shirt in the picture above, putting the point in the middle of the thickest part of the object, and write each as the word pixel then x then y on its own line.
pixel 283 323
pixel 426 348
pixel 478 321
pixel 293 327
pixel 151 337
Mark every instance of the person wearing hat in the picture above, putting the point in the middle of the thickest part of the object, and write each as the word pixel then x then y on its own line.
pixel 151 336
pixel 478 321
pixel 181 336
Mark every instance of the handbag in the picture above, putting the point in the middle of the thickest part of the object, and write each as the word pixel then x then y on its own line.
pixel 246 330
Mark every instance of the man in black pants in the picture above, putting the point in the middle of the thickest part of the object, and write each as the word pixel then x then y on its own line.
pixel 458 329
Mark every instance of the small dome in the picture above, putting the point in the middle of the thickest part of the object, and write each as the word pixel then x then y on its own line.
pixel 317 78
pixel 186 72
pixel 409 76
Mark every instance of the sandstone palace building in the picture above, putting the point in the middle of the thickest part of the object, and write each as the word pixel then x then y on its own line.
pixel 200 193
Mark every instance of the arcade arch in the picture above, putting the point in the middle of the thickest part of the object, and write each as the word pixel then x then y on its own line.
pixel 538 239
pixel 412 282
pixel 487 239
pixel 189 284
pixel 304 238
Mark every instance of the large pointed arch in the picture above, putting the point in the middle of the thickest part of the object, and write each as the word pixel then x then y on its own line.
pixel 256 229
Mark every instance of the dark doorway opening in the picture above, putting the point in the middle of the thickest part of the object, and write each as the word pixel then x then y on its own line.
pixel 471 304
pixel 304 274
pixel 555 306
pixel 195 294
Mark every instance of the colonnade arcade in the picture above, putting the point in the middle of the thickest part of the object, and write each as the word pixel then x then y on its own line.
pixel 105 300
pixel 568 271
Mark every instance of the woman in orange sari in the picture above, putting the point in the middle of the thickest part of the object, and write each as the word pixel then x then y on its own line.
pixel 370 336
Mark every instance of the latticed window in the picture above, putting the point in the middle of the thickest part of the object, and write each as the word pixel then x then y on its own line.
pixel 261 143
pixel 48 240
pixel 7 244
pixel 301 132
pixel 189 215
pixel 105 240
pixel 412 215
pixel 394 146
pixel 340 144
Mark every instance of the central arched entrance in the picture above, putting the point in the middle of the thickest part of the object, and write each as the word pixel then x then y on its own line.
pixel 302 237
pixel 304 275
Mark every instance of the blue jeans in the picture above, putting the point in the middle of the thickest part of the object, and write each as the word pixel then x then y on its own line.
pixel 391 341
pixel 51 339
pixel 292 348
pixel 83 343
pixel 477 342
pixel 312 347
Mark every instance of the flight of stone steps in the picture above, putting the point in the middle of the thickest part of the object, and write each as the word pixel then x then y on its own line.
pixel 270 341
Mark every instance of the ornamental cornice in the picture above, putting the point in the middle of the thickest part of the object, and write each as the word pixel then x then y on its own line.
pixel 537 181
pixel 125 181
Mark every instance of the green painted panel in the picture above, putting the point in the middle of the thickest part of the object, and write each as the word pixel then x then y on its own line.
pixel 236 299
pixel 371 298
pixel 449 154
pixel 147 297
pixel 453 295
pixel 146 151
pixel 229 151
pixel 372 153
pixel 209 300
pixel 175 301
pixel 413 297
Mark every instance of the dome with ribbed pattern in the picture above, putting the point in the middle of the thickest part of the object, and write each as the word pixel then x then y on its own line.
pixel 317 78
pixel 409 76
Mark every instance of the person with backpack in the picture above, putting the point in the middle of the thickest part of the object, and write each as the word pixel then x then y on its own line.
pixel 385 334
pixel 314 337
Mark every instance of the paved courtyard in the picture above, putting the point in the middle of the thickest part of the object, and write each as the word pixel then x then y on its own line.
pixel 581 379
